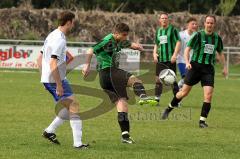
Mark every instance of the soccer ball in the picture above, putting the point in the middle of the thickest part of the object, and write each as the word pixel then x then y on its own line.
pixel 167 77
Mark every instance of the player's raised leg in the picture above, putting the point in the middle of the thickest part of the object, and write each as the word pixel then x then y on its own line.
pixel 139 90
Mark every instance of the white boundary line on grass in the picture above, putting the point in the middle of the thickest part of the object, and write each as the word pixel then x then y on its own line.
pixel 17 71
pixel 33 72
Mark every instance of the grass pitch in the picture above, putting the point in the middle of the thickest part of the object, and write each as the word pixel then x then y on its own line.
pixel 26 109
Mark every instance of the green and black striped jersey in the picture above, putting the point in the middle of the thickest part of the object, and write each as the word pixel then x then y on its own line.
pixel 166 40
pixel 107 51
pixel 205 46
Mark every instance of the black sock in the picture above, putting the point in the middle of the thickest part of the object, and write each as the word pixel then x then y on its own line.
pixel 175 88
pixel 175 101
pixel 205 109
pixel 124 123
pixel 139 89
pixel 169 109
pixel 158 89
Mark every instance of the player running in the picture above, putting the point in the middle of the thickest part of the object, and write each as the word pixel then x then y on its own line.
pixel 205 44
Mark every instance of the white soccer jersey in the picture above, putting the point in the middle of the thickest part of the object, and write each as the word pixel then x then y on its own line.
pixel 55 44
pixel 185 37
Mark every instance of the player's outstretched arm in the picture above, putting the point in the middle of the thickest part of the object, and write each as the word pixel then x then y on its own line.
pixel 136 46
pixel 86 68
pixel 223 62
pixel 186 57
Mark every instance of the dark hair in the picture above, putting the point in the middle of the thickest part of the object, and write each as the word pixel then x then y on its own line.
pixel 190 19
pixel 64 17
pixel 212 16
pixel 121 27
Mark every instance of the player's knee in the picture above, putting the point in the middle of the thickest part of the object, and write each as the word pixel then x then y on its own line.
pixel 122 105
pixel 133 80
pixel 136 80
pixel 74 107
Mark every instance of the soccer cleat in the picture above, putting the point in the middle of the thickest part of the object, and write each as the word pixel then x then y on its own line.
pixel 83 147
pixel 51 137
pixel 157 100
pixel 168 110
pixel 147 100
pixel 203 124
pixel 158 105
pixel 166 113
pixel 127 140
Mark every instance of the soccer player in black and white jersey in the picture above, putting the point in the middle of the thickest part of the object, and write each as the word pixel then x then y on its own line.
pixel 53 76
pixel 205 44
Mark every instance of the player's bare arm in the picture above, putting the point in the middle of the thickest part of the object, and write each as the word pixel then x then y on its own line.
pixel 155 55
pixel 69 57
pixel 56 76
pixel 223 62
pixel 136 46
pixel 86 68
pixel 186 57
pixel 39 62
pixel 176 51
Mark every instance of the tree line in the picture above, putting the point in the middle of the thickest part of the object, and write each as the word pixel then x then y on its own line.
pixel 219 7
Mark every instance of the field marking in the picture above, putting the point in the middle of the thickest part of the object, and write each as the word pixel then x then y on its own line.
pixel 217 77
pixel 17 71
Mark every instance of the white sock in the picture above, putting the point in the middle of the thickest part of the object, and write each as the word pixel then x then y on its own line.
pixel 157 97
pixel 76 125
pixel 54 125
pixel 203 118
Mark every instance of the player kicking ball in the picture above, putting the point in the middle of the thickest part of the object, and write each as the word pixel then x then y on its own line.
pixel 53 77
pixel 114 80
pixel 205 44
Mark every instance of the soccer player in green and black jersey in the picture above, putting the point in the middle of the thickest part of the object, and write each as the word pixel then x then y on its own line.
pixel 114 80
pixel 166 48
pixel 205 44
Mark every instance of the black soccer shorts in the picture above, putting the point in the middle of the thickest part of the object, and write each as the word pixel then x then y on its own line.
pixel 165 65
pixel 200 72
pixel 114 82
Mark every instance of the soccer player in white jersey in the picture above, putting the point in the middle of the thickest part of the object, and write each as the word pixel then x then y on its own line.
pixel 185 37
pixel 54 80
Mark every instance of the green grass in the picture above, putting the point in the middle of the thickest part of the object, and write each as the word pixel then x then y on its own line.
pixel 26 109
